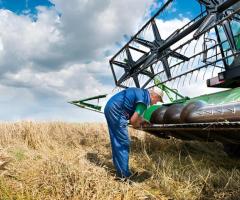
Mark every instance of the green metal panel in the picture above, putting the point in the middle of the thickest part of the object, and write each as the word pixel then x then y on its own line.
pixel 148 113
pixel 226 96
pixel 82 103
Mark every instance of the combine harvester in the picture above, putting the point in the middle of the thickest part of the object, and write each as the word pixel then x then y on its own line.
pixel 207 46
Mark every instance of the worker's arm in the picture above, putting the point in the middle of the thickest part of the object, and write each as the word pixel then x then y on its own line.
pixel 137 120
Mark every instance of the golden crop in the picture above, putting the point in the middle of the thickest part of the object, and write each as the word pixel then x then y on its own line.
pixel 72 161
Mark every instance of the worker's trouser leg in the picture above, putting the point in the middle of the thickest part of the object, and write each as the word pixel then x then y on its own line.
pixel 120 142
pixel 120 149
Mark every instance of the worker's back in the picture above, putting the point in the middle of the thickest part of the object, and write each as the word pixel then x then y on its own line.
pixel 126 100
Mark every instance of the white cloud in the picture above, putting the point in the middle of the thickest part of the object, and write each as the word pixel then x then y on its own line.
pixel 85 30
pixel 73 81
pixel 57 58
pixel 25 41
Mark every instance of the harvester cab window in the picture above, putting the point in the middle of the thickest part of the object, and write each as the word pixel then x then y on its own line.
pixel 227 48
pixel 236 32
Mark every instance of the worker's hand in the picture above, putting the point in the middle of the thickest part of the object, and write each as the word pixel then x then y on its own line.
pixel 138 122
pixel 145 123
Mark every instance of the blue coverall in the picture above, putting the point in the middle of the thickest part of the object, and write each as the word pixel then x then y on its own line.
pixel 118 111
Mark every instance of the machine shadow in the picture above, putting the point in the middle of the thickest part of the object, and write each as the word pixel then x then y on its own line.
pixel 155 148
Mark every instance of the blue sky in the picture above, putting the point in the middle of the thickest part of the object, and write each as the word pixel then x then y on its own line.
pixel 182 8
pixel 190 8
pixel 19 6
pixel 48 61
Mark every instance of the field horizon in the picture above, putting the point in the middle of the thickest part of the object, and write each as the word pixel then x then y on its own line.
pixel 59 160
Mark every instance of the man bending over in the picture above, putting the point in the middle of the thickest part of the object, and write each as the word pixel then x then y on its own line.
pixel 128 104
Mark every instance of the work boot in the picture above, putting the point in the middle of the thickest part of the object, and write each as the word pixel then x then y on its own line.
pixel 122 178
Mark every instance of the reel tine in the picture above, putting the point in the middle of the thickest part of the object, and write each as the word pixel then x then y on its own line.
pixel 184 80
pixel 193 62
pixel 188 63
pixel 158 67
pixel 174 80
pixel 178 82
pixel 171 84
pixel 195 46
pixel 122 55
pixel 205 73
pixel 131 82
pixel 161 76
pixel 199 59
pixel 170 61
pixel 187 46
pixel 176 66
pixel 127 82
pixel 124 83
pixel 213 70
pixel 191 75
pixel 197 74
pixel 173 69
pixel 141 79
pixel 185 50
pixel 181 66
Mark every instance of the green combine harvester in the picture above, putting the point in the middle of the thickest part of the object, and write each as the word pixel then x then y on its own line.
pixel 209 42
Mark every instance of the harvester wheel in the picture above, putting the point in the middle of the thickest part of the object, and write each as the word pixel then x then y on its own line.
pixel 232 150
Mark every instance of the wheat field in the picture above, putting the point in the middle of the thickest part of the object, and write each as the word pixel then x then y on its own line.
pixel 72 161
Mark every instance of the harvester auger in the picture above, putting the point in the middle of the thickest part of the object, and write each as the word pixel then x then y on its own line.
pixel 208 45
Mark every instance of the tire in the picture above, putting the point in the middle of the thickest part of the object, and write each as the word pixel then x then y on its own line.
pixel 232 150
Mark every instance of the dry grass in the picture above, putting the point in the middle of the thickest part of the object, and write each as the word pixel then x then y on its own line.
pixel 73 161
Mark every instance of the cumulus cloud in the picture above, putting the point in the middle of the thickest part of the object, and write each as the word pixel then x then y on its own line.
pixel 92 27
pixel 61 55
pixel 25 42
pixel 82 33
pixel 74 81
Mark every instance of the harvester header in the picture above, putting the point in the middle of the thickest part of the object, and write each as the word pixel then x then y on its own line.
pixel 207 48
